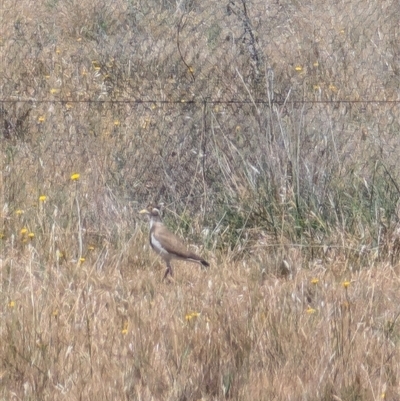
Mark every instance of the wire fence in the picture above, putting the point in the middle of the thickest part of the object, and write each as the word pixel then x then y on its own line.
pixel 230 50
pixel 204 103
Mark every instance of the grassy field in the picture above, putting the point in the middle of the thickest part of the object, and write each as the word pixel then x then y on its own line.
pixel 109 328
pixel 270 130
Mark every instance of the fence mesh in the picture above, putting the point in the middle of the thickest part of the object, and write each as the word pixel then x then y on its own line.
pixel 202 103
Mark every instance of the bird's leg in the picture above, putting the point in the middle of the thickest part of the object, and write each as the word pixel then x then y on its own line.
pixel 168 271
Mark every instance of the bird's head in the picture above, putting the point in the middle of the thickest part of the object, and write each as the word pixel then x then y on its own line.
pixel 152 211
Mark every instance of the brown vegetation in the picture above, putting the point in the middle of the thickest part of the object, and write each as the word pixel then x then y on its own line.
pixel 270 132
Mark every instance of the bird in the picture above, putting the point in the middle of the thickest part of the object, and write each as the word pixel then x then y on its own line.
pixel 166 244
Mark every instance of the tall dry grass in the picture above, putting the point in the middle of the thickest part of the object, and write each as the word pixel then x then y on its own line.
pixel 109 328
pixel 294 203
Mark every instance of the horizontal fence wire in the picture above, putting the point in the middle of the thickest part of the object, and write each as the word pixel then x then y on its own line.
pixel 200 101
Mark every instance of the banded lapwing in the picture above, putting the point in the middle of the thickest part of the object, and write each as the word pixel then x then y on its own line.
pixel 166 244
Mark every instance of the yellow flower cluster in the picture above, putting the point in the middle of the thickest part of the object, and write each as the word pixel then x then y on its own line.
pixel 310 310
pixel 191 315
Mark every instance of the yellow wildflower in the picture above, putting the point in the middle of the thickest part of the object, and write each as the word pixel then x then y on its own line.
pixel 24 231
pixel 42 198
pixel 75 176
pixel 314 281
pixel 60 255
pixel 345 284
pixel 192 315
pixel 31 235
pixel 19 212
pixel 125 328
pixel 11 304
pixel 310 310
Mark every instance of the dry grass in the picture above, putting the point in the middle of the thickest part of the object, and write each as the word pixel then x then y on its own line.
pixel 109 328
pixel 295 205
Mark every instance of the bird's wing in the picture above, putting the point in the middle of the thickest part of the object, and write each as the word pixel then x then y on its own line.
pixel 173 244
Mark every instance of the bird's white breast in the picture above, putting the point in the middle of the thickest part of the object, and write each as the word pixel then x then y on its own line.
pixel 157 246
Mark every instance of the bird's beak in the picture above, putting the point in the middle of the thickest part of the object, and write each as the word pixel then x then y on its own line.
pixel 144 211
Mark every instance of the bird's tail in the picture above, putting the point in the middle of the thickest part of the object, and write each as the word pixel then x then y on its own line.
pixel 198 259
pixel 204 263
